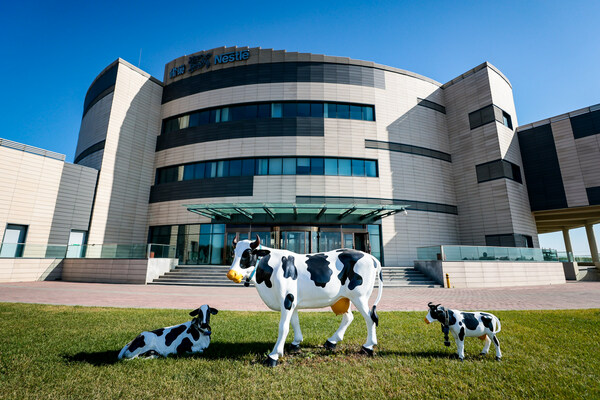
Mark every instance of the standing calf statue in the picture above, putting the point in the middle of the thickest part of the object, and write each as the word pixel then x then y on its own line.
pixel 464 324
pixel 190 337
pixel 288 282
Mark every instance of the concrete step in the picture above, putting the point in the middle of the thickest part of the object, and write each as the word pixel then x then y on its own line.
pixel 215 275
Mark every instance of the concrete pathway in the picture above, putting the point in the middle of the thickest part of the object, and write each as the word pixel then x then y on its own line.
pixel 567 296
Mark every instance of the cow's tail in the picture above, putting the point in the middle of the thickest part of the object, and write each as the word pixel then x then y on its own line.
pixel 498 325
pixel 374 315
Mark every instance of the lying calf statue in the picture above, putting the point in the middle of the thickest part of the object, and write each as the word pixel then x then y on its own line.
pixel 191 337
pixel 464 324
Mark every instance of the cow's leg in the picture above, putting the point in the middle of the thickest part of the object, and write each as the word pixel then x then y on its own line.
pixel 362 305
pixel 297 332
pixel 287 311
pixel 497 344
pixel 486 346
pixel 338 336
pixel 460 343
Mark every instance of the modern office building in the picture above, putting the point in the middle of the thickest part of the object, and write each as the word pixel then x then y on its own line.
pixel 313 152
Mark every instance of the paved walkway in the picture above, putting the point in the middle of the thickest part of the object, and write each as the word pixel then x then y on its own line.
pixel 566 296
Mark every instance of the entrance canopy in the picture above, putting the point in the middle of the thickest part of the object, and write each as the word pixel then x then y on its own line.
pixel 292 212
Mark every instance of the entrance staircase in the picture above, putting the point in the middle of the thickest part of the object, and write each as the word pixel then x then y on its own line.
pixel 216 275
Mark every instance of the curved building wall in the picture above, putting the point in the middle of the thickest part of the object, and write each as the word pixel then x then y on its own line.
pixel 408 139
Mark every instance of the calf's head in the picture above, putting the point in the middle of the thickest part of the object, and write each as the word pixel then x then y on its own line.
pixel 202 320
pixel 246 253
pixel 435 313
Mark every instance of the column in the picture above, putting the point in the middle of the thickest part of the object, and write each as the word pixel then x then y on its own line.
pixel 589 229
pixel 568 247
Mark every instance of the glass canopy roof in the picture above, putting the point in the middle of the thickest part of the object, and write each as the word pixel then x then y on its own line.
pixel 361 212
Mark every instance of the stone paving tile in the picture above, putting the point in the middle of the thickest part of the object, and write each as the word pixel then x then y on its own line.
pixel 568 296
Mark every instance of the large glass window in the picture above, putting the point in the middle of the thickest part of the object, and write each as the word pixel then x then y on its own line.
pixel 331 166
pixel 316 166
pixel 13 242
pixel 288 109
pixel 303 166
pixel 275 166
pixel 289 166
pixel 297 166
pixel 345 167
pixel 358 167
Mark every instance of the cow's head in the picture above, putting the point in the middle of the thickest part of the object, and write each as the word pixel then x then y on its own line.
pixel 246 253
pixel 202 320
pixel 434 313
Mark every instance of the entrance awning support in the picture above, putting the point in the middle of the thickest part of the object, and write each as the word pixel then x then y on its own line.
pixel 372 213
pixel 269 211
pixel 244 212
pixel 219 213
pixel 323 209
pixel 347 212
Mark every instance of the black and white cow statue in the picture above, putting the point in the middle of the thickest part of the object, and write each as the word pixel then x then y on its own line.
pixel 190 337
pixel 288 282
pixel 461 324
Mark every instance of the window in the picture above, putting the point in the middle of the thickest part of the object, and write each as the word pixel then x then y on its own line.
pixel 316 110
pixel 304 109
pixel 298 166
pixel 345 167
pixel 235 167
pixel 13 242
pixel 303 166
pixel 331 166
pixel 210 170
pixel 289 166
pixel 356 112
pixel 262 166
pixel 343 111
pixel 358 168
pixel 289 109
pixel 489 114
pixel 275 166
pixel 371 168
pixel 248 167
pixel 498 169
pixel 276 111
pixel 368 113
pixel 316 166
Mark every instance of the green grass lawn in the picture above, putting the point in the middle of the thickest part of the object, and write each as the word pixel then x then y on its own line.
pixel 49 352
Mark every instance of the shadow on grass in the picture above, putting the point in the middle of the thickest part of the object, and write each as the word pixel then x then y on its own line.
pixel 216 351
pixel 97 359
pixel 418 354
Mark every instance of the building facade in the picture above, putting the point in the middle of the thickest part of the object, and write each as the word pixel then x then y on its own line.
pixel 310 152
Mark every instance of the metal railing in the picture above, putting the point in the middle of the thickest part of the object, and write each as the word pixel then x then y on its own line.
pixel 480 253
pixel 491 253
pixel 140 251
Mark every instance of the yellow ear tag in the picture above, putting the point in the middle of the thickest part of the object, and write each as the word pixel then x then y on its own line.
pixel 341 306
pixel 426 320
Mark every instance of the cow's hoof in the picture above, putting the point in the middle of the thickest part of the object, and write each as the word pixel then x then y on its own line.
pixel 270 362
pixel 461 359
pixel 483 354
pixel 498 358
pixel 294 348
pixel 329 346
pixel 364 350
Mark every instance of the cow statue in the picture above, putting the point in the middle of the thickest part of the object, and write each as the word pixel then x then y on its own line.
pixel 288 282
pixel 466 324
pixel 190 337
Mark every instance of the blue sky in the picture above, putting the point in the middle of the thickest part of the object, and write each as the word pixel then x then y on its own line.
pixel 52 50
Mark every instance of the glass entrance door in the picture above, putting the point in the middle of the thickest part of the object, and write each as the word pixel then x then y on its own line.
pixel 296 241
